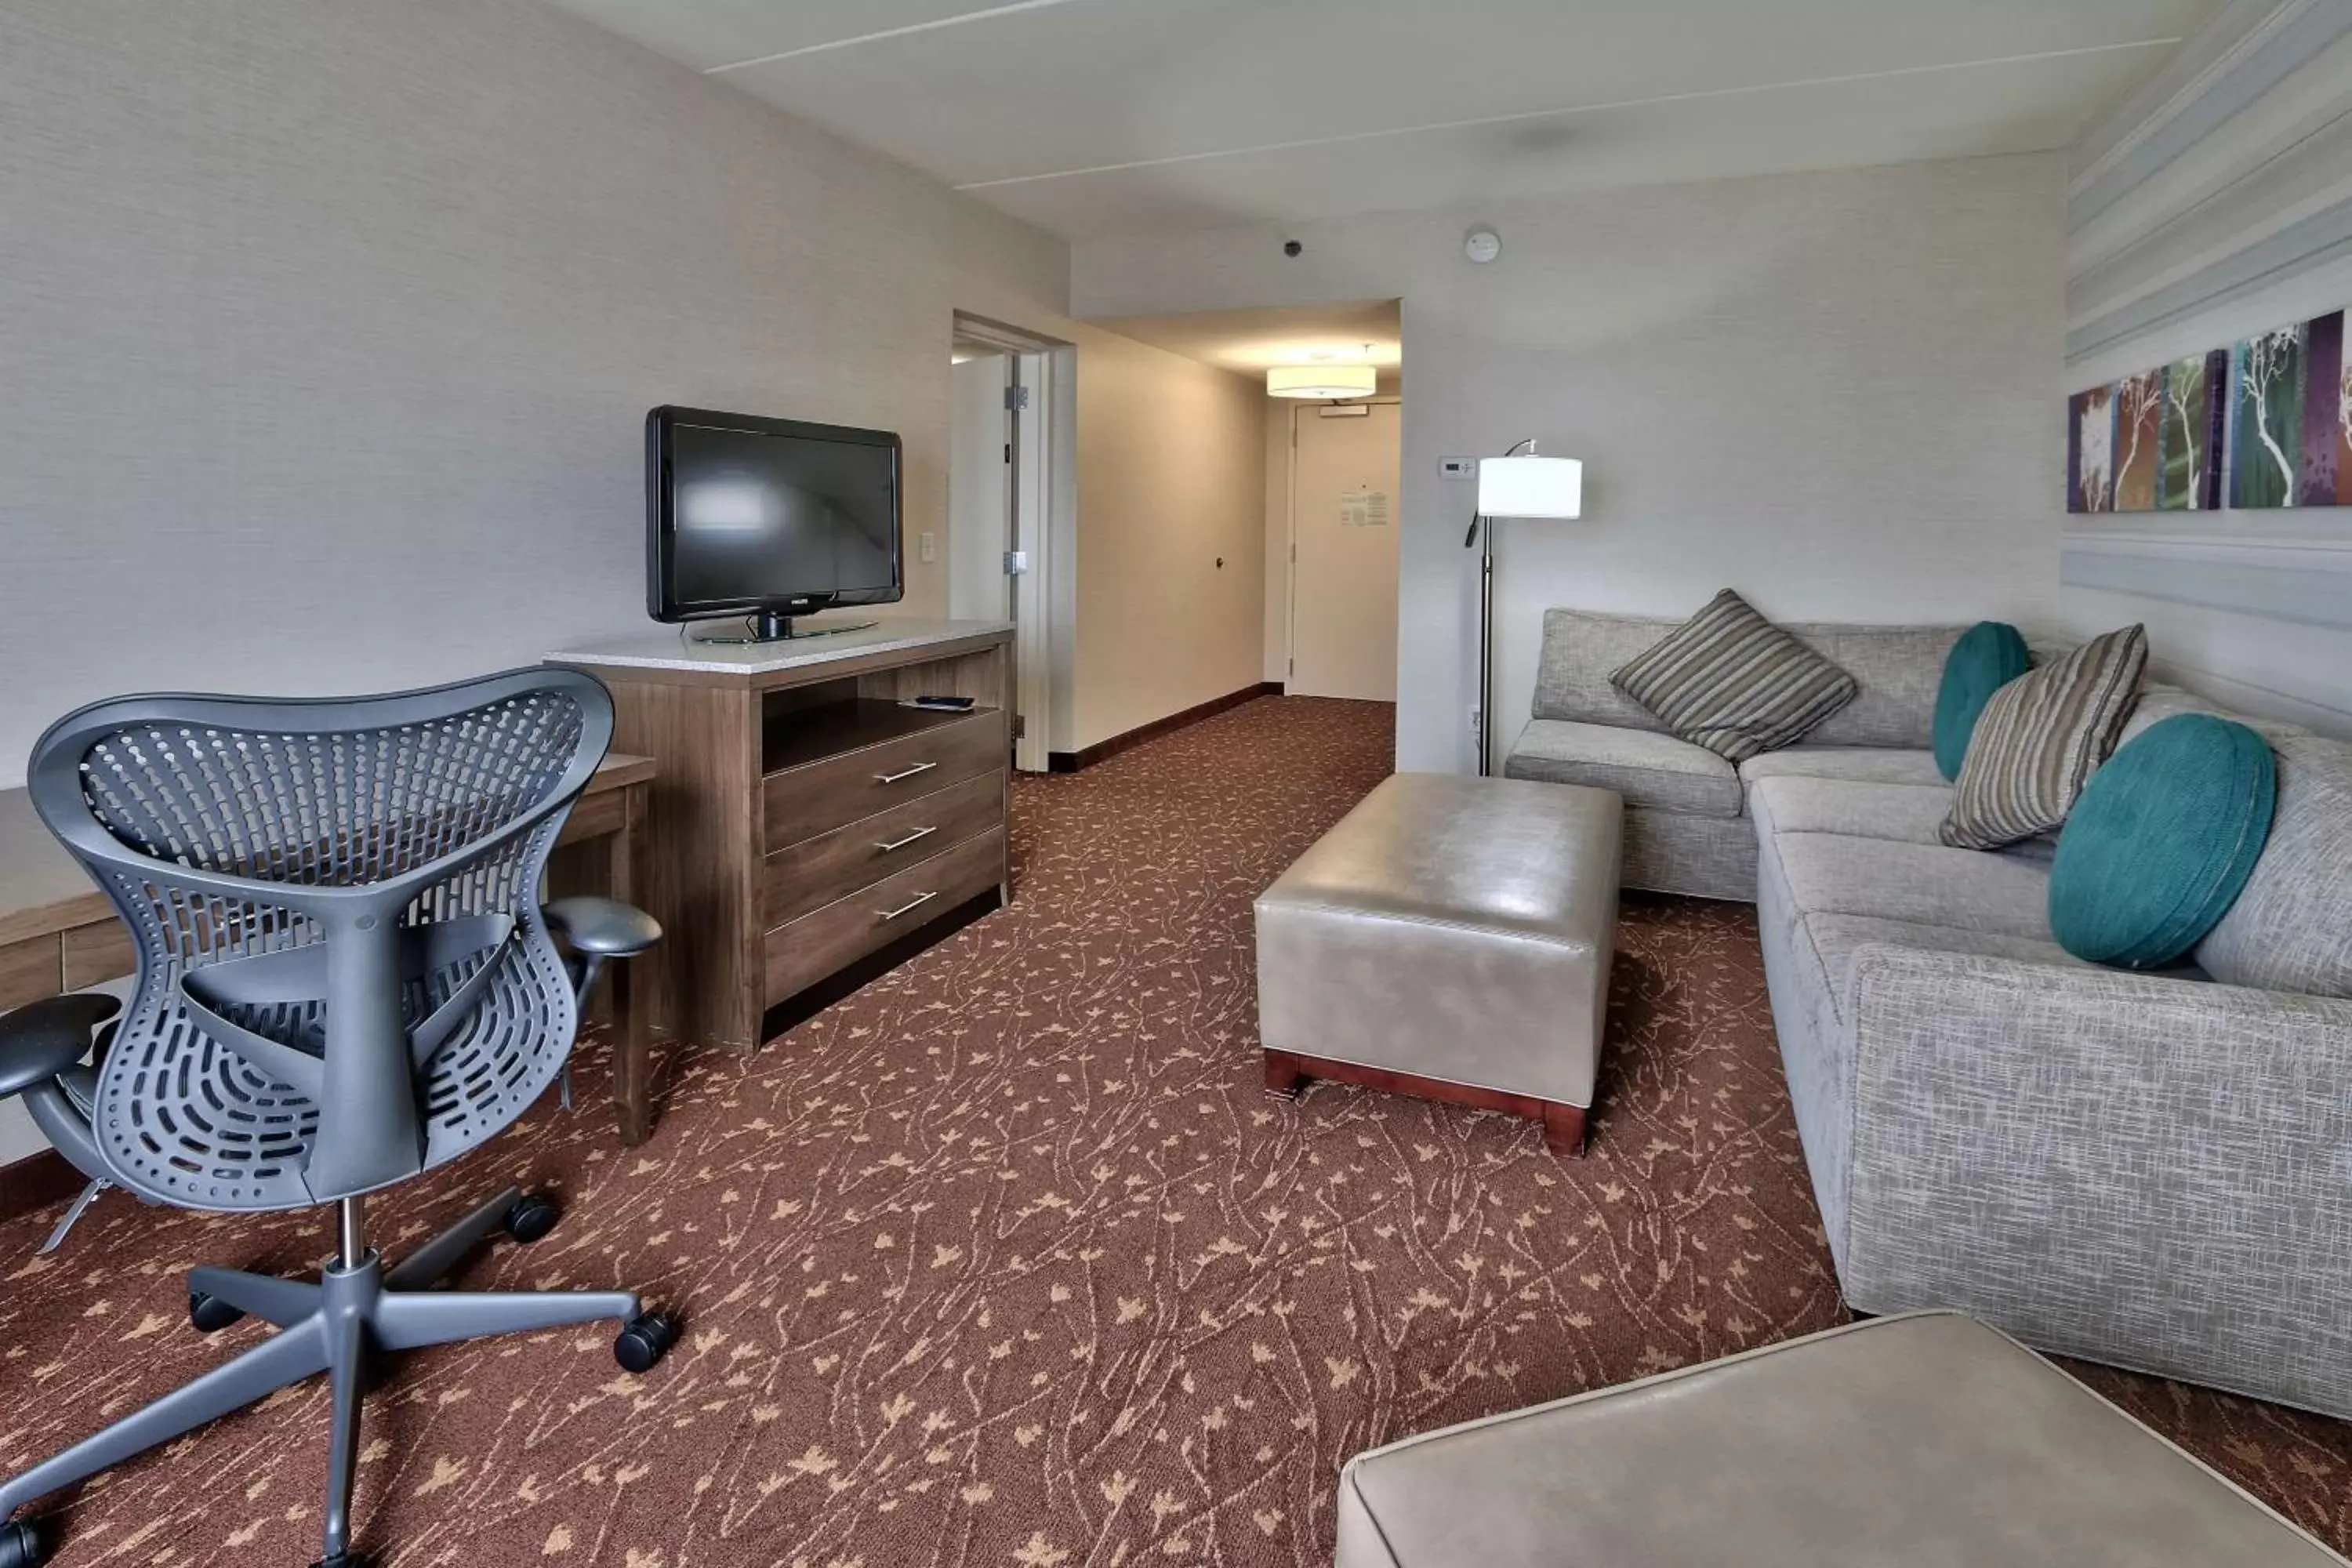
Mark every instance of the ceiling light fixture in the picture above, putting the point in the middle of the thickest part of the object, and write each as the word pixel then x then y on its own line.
pixel 1322 380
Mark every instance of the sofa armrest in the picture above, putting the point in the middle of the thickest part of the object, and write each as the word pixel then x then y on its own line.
pixel 2147 1171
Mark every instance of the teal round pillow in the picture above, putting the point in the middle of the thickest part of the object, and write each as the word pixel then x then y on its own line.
pixel 1988 655
pixel 2161 841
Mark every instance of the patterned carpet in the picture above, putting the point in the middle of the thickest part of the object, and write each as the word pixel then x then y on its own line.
pixel 1006 1261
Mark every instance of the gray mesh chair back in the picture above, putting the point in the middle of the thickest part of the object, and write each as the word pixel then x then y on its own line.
pixel 344 977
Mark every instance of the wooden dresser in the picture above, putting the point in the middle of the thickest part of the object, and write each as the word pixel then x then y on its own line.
pixel 804 819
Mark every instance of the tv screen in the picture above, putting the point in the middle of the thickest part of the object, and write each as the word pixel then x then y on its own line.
pixel 747 514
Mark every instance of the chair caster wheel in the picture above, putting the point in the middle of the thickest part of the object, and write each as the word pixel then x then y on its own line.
pixel 21 1546
pixel 646 1339
pixel 344 1560
pixel 531 1218
pixel 210 1314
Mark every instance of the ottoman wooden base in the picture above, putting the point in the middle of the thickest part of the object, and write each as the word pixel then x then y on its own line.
pixel 1287 1073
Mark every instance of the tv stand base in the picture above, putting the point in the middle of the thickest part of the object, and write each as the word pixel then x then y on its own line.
pixel 769 627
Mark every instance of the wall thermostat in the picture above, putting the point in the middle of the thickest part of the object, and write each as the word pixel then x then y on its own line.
pixel 1482 245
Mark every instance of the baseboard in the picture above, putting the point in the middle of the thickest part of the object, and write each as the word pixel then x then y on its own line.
pixel 1071 762
pixel 36 1182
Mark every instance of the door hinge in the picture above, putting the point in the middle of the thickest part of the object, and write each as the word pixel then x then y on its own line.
pixel 1016 562
pixel 1017 398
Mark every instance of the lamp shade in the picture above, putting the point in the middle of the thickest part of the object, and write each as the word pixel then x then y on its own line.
pixel 1531 487
pixel 1321 381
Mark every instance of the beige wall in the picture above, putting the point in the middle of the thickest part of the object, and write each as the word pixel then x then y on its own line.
pixel 332 328
pixel 1171 477
pixel 1831 390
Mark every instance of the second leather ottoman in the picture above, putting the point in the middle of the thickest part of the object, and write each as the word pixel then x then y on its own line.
pixel 1450 938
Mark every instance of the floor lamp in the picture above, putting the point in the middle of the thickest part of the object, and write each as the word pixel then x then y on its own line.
pixel 1512 485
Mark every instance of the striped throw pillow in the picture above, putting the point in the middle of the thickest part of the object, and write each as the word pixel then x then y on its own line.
pixel 1733 682
pixel 2041 737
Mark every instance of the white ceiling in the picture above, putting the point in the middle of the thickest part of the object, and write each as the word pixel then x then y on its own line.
pixel 1098 117
pixel 1253 341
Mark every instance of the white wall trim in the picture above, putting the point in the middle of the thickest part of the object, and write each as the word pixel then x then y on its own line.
pixel 2315 241
pixel 2307 580
pixel 2211 81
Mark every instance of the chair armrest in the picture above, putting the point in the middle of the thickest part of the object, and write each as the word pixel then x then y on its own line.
pixel 2153 1172
pixel 602 928
pixel 43 1038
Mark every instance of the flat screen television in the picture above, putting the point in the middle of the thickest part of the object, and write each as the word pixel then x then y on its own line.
pixel 767 518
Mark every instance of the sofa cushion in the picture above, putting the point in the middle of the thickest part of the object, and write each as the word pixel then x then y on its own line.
pixel 2040 739
pixel 1988 655
pixel 1835 938
pixel 2162 842
pixel 1732 681
pixel 1906 813
pixel 1874 764
pixel 2158 702
pixel 1898 668
pixel 1648 769
pixel 1790 802
pixel 1928 884
pixel 2291 930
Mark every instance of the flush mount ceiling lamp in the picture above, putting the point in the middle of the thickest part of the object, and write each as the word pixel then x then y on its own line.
pixel 1321 381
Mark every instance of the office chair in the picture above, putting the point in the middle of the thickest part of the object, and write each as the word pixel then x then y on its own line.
pixel 345 979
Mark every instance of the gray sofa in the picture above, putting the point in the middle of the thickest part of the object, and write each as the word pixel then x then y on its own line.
pixel 2151 1171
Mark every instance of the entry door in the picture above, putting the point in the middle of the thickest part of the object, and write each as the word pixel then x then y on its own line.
pixel 980 488
pixel 1343 531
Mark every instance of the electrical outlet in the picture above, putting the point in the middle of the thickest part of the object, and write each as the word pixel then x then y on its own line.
pixel 927 545
pixel 1457 467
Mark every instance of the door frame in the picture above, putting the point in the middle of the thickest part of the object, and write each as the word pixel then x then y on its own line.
pixel 1041 487
pixel 1290 525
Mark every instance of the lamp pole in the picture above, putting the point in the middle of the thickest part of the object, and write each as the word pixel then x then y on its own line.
pixel 1485 539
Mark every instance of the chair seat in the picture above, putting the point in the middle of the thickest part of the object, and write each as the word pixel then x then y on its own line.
pixel 1930 1440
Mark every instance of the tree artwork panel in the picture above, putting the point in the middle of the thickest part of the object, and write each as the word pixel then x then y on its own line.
pixel 2188 440
pixel 2139 409
pixel 2262 425
pixel 2327 415
pixel 2266 375
pixel 2090 450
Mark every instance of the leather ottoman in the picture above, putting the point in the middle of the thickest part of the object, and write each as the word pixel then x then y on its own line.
pixel 1930 1441
pixel 1450 937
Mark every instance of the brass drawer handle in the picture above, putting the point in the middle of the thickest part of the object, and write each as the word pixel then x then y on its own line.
pixel 897 844
pixel 905 773
pixel 916 902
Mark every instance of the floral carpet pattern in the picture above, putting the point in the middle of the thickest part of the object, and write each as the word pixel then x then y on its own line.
pixel 1006 1261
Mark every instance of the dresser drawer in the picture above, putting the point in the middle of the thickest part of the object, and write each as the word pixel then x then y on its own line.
pixel 813 946
pixel 801 803
pixel 815 872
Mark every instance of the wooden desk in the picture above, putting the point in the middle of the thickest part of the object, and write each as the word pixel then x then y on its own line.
pixel 59 933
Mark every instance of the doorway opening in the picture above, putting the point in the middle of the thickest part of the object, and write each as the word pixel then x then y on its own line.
pixel 1010 496
pixel 1332 508
pixel 1346 463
